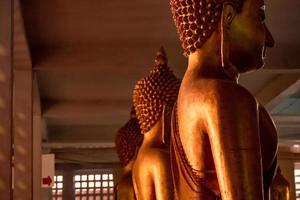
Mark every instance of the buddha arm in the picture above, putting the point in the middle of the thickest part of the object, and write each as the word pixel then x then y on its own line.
pixel 269 144
pixel 269 140
pixel 232 126
pixel 163 177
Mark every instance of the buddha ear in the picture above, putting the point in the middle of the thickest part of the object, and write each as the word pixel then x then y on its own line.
pixel 227 17
pixel 163 124
pixel 228 14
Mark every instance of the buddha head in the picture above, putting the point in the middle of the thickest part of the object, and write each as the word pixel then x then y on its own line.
pixel 237 25
pixel 155 92
pixel 128 139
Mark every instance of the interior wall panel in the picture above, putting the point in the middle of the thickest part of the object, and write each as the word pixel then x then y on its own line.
pixel 5 99
pixel 23 135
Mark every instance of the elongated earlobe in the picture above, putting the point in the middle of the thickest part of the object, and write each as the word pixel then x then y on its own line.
pixel 163 124
pixel 227 17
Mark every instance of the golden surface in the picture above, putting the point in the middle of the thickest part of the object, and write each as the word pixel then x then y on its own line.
pixel 124 189
pixel 153 98
pixel 128 140
pixel 152 175
pixel 225 144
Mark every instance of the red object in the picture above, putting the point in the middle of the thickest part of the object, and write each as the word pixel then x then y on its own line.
pixel 47 181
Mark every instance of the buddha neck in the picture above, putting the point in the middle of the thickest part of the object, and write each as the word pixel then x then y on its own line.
pixel 154 135
pixel 206 62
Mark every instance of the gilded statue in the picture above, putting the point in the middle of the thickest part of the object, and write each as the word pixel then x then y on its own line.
pixel 223 143
pixel 280 187
pixel 128 140
pixel 153 99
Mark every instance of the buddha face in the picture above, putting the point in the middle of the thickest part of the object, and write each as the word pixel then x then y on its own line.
pixel 249 37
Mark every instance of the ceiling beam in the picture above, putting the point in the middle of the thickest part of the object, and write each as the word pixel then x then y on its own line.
pixel 278 90
pixel 107 155
pixel 90 112
pixel 78 145
pixel 290 136
pixel 288 142
pixel 131 59
pixel 86 134
pixel 288 125
pixel 286 118
pixel 280 71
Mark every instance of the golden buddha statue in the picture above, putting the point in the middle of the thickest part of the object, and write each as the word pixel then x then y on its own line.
pixel 153 99
pixel 280 189
pixel 223 144
pixel 128 140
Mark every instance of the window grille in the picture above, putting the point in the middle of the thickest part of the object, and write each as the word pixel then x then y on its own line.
pixel 57 189
pixel 94 185
pixel 297 180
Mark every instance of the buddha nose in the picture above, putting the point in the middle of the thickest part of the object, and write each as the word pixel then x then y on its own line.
pixel 269 42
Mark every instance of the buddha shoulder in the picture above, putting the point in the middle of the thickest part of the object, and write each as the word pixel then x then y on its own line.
pixel 218 93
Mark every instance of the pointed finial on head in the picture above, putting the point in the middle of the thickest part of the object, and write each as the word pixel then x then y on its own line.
pixel 161 57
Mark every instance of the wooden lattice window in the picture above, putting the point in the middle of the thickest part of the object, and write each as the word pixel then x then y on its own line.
pixel 94 185
pixel 57 189
pixel 297 180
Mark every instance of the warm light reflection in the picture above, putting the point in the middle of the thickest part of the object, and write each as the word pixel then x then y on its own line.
pixel 2 130
pixel 21 115
pixel 20 167
pixel 2 156
pixel 2 184
pixel 21 185
pixel 2 77
pixel 21 132
pixel 20 149
pixel 2 103
pixel 2 50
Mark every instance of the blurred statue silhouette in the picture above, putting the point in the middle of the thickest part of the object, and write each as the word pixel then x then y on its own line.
pixel 128 140
pixel 280 189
